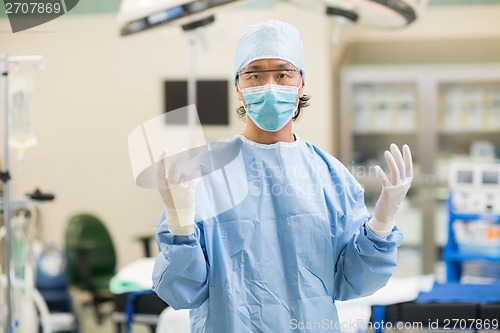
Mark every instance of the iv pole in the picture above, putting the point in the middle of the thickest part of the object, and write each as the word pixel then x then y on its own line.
pixel 5 178
pixel 191 87
pixel 192 30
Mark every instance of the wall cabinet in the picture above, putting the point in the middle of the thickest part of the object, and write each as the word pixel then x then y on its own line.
pixel 441 112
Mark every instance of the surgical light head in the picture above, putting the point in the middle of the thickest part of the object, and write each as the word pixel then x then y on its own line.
pixel 269 40
pixel 139 15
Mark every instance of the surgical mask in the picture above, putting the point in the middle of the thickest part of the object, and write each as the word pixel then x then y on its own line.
pixel 270 106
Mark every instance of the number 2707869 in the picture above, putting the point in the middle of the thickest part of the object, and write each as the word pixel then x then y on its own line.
pixel 32 8
pixel 478 324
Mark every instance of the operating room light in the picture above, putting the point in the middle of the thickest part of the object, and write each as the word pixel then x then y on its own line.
pixel 388 13
pixel 382 14
pixel 139 15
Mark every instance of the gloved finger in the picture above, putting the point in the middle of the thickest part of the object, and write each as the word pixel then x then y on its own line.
pixel 190 184
pixel 192 168
pixel 393 167
pixel 172 167
pixel 396 153
pixel 162 169
pixel 408 161
pixel 163 159
pixel 164 153
pixel 186 167
pixel 175 167
pixel 382 176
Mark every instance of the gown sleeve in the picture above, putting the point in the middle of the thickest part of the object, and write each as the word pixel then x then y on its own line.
pixel 180 274
pixel 366 261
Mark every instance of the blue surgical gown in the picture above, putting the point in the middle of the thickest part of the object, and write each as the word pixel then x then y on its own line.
pixel 277 260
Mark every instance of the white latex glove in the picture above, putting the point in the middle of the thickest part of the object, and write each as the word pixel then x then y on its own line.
pixel 393 190
pixel 178 196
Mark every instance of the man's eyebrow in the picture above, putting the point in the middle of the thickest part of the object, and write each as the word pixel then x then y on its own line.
pixel 286 65
pixel 283 65
pixel 252 68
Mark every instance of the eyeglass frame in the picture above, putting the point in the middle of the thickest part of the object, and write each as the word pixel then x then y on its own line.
pixel 269 70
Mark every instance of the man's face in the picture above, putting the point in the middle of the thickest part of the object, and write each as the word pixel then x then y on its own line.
pixel 269 71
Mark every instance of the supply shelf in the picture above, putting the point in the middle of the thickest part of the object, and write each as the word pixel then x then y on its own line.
pixel 454 256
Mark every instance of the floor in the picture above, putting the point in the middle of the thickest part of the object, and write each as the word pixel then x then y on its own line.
pixel 88 323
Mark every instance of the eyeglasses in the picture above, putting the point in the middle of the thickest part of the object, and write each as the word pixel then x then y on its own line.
pixel 285 77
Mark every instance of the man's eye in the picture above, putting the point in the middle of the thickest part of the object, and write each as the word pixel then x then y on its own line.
pixel 254 77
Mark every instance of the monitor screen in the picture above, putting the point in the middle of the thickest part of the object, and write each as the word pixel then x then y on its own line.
pixel 465 176
pixel 490 177
pixel 211 100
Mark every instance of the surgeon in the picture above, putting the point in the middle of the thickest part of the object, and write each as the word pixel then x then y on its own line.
pixel 301 239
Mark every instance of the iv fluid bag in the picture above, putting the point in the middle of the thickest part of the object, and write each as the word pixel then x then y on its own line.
pixel 21 134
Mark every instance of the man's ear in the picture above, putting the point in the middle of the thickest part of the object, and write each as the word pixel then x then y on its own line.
pixel 240 97
pixel 301 89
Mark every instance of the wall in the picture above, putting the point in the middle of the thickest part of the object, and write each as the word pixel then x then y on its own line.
pixel 454 26
pixel 98 87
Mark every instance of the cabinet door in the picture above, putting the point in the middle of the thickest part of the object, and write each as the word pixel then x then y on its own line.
pixel 380 107
pixel 468 115
pixel 381 114
pixel 467 107
pixel 380 104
